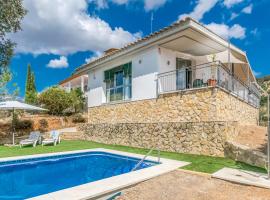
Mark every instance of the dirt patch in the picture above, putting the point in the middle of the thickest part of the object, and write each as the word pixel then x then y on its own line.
pixel 252 136
pixel 179 185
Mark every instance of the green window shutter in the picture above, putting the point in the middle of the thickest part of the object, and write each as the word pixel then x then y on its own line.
pixel 130 68
pixel 127 69
pixel 106 75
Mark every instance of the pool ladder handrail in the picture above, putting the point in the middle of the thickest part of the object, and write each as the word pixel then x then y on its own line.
pixel 146 155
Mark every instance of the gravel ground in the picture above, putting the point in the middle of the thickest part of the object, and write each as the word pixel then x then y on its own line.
pixel 180 185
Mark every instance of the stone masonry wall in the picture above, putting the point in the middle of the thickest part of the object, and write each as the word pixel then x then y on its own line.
pixel 200 105
pixel 231 108
pixel 197 121
pixel 206 138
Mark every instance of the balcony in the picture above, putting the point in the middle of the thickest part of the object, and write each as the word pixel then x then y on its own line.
pixel 213 74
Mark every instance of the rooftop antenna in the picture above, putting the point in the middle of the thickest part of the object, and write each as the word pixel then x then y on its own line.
pixel 152 19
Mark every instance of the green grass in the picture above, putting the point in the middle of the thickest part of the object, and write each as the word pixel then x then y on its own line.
pixel 207 164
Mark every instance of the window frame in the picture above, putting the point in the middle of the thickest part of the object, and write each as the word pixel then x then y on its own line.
pixel 111 85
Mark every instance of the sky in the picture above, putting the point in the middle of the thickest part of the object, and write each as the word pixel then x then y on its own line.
pixel 60 35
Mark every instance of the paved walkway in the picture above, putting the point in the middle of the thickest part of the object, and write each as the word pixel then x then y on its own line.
pixel 243 177
pixel 179 185
pixel 68 130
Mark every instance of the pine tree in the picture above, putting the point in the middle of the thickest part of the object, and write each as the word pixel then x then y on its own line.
pixel 30 87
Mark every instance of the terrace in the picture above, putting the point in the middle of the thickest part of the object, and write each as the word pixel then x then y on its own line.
pixel 212 74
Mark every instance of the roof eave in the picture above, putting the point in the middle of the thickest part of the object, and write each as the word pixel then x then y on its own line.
pixel 153 38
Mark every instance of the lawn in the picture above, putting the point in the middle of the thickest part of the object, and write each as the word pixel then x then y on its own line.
pixel 200 163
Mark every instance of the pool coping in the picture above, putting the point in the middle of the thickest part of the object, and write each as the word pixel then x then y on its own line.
pixel 108 185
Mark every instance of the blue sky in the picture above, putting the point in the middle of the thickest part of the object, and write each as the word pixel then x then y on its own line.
pixel 60 35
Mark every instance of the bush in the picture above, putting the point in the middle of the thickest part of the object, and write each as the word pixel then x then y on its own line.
pixel 60 102
pixel 56 100
pixel 23 124
pixel 43 124
pixel 78 119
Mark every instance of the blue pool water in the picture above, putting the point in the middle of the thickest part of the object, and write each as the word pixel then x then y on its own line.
pixel 23 179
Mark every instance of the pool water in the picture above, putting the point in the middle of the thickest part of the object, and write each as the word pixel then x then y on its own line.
pixel 23 179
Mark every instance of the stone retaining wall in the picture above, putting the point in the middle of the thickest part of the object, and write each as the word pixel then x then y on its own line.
pixel 206 138
pixel 212 104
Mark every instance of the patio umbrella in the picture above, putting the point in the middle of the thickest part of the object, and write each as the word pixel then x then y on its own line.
pixel 16 105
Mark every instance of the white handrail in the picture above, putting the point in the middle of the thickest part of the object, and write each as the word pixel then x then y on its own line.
pixel 146 155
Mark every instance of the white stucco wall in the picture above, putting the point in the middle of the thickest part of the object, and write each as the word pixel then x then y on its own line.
pixel 144 72
pixel 146 65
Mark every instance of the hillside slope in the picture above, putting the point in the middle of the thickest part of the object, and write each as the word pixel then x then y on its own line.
pixel 264 82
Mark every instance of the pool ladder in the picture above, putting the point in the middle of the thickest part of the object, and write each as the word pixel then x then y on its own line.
pixel 113 196
pixel 143 159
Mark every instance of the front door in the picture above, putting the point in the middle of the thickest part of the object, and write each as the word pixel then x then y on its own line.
pixel 183 74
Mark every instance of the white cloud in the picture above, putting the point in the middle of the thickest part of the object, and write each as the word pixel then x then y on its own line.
pixel 231 3
pixel 234 15
pixel 202 7
pixel 101 4
pixel 257 73
pixel 120 2
pixel 64 27
pixel 62 62
pixel 148 4
pixel 248 9
pixel 236 31
pixel 94 57
pixel 153 4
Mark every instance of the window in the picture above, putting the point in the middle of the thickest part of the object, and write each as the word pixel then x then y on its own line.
pixel 118 83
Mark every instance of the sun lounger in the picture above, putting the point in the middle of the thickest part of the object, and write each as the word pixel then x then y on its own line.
pixel 54 138
pixel 33 139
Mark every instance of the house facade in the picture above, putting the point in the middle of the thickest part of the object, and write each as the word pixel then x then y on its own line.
pixel 181 79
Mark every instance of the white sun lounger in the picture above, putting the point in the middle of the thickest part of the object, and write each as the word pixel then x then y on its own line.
pixel 54 138
pixel 33 139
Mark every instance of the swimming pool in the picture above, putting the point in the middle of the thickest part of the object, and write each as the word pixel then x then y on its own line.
pixel 26 178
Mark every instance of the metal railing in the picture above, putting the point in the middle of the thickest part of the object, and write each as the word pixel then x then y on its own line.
pixel 143 159
pixel 213 74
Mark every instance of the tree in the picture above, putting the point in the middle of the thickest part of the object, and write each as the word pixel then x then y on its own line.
pixel 11 14
pixel 30 87
pixel 56 100
pixel 77 99
pixel 60 102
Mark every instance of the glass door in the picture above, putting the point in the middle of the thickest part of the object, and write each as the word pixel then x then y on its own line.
pixel 183 74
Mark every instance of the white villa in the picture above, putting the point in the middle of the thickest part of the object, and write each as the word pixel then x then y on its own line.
pixel 183 56
pixel 179 75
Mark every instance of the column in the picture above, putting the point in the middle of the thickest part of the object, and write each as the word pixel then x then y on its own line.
pixel 82 83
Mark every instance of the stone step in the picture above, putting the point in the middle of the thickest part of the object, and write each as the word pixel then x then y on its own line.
pixel 72 135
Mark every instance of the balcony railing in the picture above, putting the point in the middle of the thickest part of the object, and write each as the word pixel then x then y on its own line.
pixel 213 74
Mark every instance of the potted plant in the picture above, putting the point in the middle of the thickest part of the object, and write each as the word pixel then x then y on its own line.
pixel 213 81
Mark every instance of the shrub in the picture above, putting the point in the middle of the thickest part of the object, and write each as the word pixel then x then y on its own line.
pixel 23 124
pixel 43 124
pixel 78 100
pixel 60 102
pixel 78 118
pixel 56 100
